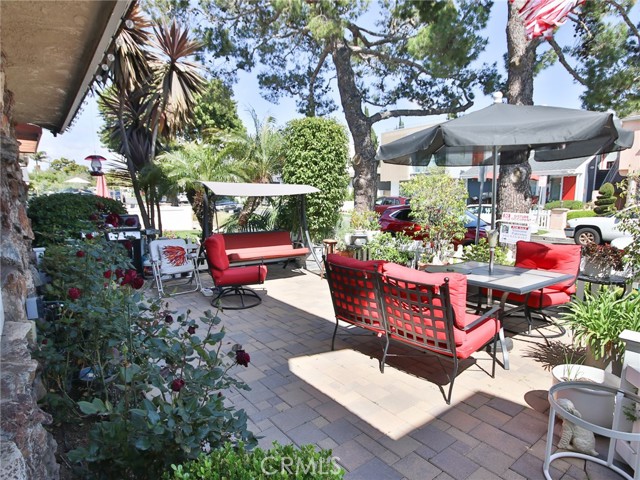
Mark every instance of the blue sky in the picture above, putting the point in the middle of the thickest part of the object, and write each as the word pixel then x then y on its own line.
pixel 553 87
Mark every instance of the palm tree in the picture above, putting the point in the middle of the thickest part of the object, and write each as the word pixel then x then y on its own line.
pixel 191 163
pixel 39 157
pixel 257 157
pixel 147 98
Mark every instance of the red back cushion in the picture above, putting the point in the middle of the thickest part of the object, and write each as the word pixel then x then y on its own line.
pixel 556 257
pixel 349 262
pixel 216 253
pixel 457 286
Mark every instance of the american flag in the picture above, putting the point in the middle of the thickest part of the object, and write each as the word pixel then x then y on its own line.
pixel 542 17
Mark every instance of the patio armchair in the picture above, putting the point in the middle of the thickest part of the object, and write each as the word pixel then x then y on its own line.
pixel 556 257
pixel 232 281
pixel 174 265
pixel 428 311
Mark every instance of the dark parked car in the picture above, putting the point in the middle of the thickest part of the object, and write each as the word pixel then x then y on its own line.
pixel 398 219
pixel 383 203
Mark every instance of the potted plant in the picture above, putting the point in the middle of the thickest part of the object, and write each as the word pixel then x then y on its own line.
pixel 399 249
pixel 601 260
pixel 364 225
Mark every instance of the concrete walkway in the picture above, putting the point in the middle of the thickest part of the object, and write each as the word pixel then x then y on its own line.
pixel 394 425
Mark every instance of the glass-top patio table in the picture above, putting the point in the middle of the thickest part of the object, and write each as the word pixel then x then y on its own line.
pixel 504 278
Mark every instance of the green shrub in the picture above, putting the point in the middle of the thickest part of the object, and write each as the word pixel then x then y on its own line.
pixel 57 217
pixel 316 153
pixel 580 214
pixel 570 204
pixel 480 253
pixel 281 462
pixel 152 387
pixel 605 203
pixel 385 246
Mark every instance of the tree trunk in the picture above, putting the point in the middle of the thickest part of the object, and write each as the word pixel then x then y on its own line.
pixel 364 164
pixel 514 193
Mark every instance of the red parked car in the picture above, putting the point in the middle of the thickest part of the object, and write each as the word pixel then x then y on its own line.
pixel 398 219
pixel 383 203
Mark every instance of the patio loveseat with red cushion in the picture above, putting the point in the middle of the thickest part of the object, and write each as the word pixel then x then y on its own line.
pixel 250 248
pixel 423 310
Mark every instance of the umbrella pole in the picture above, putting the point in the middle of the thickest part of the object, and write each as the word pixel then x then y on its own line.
pixel 481 175
pixel 494 184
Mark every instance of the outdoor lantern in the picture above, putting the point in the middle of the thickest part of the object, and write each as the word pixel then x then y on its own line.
pixel 96 164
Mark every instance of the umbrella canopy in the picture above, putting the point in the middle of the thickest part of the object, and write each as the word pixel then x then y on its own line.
pixel 554 133
pixel 77 180
pixel 101 187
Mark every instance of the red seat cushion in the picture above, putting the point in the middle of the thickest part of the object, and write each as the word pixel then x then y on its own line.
pixel 216 253
pixel 563 258
pixel 543 298
pixel 237 276
pixel 369 265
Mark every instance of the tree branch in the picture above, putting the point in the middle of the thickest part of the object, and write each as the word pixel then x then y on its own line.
pixel 625 17
pixel 563 61
pixel 377 117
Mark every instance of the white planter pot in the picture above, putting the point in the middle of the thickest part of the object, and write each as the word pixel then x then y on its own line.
pixel 596 407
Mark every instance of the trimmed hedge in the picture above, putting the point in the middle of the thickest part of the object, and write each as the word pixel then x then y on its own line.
pixel 580 214
pixel 59 216
pixel 570 204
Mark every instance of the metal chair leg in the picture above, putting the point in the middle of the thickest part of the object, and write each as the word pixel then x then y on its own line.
pixel 453 378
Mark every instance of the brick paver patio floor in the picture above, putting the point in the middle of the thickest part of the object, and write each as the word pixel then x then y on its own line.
pixel 394 425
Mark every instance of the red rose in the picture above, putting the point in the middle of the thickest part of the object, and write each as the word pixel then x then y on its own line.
pixel 113 219
pixel 79 254
pixel 107 274
pixel 74 293
pixel 89 236
pixel 137 282
pixel 127 244
pixel 177 384
pixel 130 222
pixel 119 273
pixel 168 318
pixel 242 358
pixel 192 329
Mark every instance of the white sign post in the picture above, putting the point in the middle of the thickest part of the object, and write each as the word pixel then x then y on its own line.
pixel 514 227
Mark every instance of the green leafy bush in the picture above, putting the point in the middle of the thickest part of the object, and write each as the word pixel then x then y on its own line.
pixel 152 386
pixel 365 220
pixel 605 203
pixel 570 204
pixel 480 253
pixel 57 217
pixel 580 214
pixel 316 153
pixel 385 246
pixel 281 462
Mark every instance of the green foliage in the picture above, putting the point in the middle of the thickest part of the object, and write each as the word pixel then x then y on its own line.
pixel 396 249
pixel 364 220
pixel 480 253
pixel 316 154
pixel 153 387
pixel 53 179
pixel 59 216
pixel 438 203
pixel 631 226
pixel 570 204
pixel 580 214
pixel 280 462
pixel 605 203
pixel 598 320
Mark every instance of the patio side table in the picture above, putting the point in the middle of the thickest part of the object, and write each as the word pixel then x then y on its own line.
pixel 622 398
pixel 595 283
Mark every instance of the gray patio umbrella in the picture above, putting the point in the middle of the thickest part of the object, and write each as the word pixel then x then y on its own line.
pixel 553 133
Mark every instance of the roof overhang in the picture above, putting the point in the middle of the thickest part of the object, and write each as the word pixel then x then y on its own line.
pixel 53 50
pixel 29 136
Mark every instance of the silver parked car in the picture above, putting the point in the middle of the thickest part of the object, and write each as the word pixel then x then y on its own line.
pixel 597 229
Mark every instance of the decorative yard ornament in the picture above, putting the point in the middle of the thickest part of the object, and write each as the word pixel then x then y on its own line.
pixel 542 17
pixel 96 164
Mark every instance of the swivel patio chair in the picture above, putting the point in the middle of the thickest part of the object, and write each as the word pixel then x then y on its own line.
pixel 232 282
pixel 174 265
pixel 555 257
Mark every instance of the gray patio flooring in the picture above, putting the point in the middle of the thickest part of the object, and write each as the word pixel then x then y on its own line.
pixel 394 425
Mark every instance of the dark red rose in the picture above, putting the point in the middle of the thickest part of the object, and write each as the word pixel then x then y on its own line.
pixel 130 222
pixel 113 219
pixel 168 318
pixel 80 254
pixel 119 273
pixel 94 217
pixel 137 282
pixel 192 329
pixel 177 384
pixel 127 244
pixel 107 274
pixel 242 358
pixel 45 341
pixel 89 236
pixel 74 293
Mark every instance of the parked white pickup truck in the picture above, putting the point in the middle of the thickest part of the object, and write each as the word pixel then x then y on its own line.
pixel 596 229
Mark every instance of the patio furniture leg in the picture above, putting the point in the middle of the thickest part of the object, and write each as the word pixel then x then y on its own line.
pixel 333 339
pixel 505 350
pixel 384 353
pixel 453 378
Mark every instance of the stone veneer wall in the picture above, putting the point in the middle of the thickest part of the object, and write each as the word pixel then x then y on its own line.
pixel 27 450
